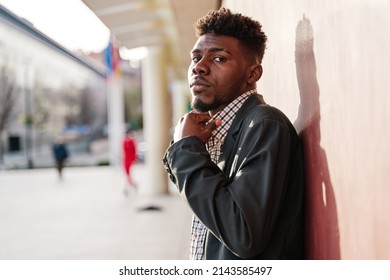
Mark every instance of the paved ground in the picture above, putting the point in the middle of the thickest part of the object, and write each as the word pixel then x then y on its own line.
pixel 87 216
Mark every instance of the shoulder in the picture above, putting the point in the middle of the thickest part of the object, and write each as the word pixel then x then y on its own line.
pixel 268 112
pixel 264 113
pixel 255 107
pixel 265 119
pixel 255 111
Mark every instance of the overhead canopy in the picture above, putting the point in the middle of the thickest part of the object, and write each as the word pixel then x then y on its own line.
pixel 137 23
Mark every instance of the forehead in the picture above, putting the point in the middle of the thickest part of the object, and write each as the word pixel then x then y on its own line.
pixel 209 42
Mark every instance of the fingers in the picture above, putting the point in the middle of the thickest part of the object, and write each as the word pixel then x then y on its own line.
pixel 204 118
pixel 200 118
pixel 213 124
pixel 195 124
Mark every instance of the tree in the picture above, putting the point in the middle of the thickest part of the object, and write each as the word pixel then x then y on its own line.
pixel 133 108
pixel 8 97
pixel 79 105
pixel 8 101
pixel 87 109
pixel 43 103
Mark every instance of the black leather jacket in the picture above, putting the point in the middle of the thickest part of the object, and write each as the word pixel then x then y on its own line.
pixel 252 202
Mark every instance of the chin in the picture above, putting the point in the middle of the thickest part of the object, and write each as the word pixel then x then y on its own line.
pixel 202 107
pixel 199 109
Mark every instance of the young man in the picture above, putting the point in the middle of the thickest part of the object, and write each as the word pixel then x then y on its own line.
pixel 235 160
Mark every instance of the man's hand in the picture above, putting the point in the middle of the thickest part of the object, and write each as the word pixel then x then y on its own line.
pixel 196 124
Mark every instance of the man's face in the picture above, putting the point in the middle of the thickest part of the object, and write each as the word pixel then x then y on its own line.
pixel 218 72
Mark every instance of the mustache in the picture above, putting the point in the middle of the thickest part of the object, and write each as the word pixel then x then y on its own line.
pixel 199 80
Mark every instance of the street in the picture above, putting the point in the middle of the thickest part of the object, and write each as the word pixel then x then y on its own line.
pixel 87 216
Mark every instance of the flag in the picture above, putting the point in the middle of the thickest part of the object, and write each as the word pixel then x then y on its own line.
pixel 112 58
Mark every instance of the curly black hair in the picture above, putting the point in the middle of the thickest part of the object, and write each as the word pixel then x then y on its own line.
pixel 243 28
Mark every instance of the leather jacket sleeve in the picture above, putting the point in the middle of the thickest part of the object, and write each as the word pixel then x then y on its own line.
pixel 238 200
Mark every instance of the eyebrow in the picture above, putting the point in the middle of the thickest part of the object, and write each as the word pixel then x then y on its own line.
pixel 215 49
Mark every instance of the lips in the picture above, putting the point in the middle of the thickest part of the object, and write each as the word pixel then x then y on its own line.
pixel 199 83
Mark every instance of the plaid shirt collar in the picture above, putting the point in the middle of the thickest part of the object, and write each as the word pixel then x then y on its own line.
pixel 227 115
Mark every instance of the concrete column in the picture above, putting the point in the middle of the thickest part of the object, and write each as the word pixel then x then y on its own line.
pixel 116 128
pixel 180 100
pixel 156 113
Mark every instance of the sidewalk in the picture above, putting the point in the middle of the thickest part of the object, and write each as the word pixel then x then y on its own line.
pixel 87 216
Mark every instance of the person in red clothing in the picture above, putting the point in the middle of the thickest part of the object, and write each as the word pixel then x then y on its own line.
pixel 129 146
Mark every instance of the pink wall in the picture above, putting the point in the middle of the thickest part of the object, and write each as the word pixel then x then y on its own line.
pixel 327 66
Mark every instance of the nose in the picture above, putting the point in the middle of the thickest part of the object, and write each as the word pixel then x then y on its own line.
pixel 201 67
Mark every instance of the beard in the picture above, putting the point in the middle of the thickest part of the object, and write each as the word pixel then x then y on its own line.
pixel 201 107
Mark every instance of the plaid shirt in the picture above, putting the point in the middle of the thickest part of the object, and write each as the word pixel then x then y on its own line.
pixel 214 144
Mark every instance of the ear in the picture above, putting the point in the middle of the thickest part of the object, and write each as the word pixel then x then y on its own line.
pixel 255 72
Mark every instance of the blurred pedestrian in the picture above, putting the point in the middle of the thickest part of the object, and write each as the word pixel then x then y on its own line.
pixel 60 154
pixel 129 147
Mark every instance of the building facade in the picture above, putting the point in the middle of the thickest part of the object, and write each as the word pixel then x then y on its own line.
pixel 47 92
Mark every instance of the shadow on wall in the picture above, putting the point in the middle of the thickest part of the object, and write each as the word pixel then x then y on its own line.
pixel 321 222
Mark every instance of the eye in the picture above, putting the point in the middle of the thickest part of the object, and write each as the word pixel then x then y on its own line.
pixel 219 59
pixel 196 58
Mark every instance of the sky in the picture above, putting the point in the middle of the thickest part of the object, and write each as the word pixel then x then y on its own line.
pixel 69 22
